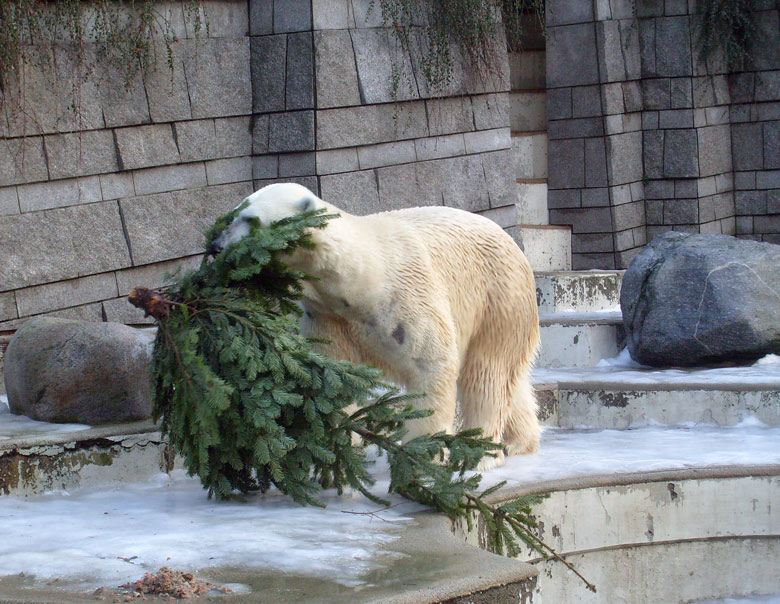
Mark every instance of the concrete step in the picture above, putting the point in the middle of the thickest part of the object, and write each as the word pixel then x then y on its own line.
pixel 530 152
pixel 710 532
pixel 578 291
pixel 622 398
pixel 528 110
pixel 50 458
pixel 573 339
pixel 548 248
pixel 527 70
pixel 532 201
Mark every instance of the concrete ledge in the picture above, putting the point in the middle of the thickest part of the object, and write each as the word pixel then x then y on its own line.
pixel 699 529
pixel 578 339
pixel 578 291
pixel 96 456
pixel 628 406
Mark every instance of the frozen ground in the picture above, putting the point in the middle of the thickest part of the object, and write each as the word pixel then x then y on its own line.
pixel 771 599
pixel 568 453
pixel 764 372
pixel 12 426
pixel 114 534
pixel 111 535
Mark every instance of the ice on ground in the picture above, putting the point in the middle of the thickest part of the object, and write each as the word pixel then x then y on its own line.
pixel 609 314
pixel 770 599
pixel 569 453
pixel 112 535
pixel 623 369
pixel 15 426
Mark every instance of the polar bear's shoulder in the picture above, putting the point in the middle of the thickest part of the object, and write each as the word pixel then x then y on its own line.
pixel 433 217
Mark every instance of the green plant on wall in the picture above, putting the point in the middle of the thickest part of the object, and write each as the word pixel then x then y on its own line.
pixel 85 39
pixel 440 35
pixel 726 25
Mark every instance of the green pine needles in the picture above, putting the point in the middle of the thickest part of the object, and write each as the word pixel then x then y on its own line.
pixel 441 37
pixel 728 25
pixel 248 402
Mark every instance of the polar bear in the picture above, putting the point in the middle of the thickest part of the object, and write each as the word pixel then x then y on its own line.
pixel 442 300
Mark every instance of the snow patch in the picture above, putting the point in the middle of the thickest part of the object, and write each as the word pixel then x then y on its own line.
pixel 623 369
pixel 17 426
pixel 770 359
pixel 113 535
pixel 769 599
pixel 582 452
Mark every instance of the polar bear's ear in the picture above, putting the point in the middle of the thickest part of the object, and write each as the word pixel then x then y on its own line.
pixel 307 203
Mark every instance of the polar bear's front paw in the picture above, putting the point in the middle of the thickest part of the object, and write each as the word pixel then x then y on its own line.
pixel 520 448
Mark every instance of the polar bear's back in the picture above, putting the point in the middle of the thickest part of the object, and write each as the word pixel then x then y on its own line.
pixel 474 264
pixel 455 237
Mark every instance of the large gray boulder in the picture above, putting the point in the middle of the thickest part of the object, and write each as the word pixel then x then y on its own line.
pixel 58 370
pixel 702 299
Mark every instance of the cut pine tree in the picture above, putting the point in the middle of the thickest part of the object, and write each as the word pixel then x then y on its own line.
pixel 248 402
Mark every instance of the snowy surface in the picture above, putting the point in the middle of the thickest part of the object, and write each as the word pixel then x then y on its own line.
pixel 569 453
pixel 14 426
pixel 111 535
pixel 771 599
pixel 612 315
pixel 623 369
pixel 114 534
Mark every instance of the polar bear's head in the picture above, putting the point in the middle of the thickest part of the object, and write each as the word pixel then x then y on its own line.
pixel 267 205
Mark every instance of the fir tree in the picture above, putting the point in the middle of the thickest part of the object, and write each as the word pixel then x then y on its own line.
pixel 248 402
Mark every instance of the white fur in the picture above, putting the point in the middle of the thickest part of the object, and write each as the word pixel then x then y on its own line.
pixel 440 299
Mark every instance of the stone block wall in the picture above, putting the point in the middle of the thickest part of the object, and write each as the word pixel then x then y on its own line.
pixel 755 132
pixel 115 195
pixel 327 114
pixel 95 202
pixel 594 106
pixel 686 120
pixel 647 136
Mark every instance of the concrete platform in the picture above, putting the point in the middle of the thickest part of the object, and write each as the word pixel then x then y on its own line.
pixel 618 396
pixel 642 522
pixel 44 462
pixel 667 536
pixel 548 248
pixel 574 339
pixel 620 406
pixel 578 291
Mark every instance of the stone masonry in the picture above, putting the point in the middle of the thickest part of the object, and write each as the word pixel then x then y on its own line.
pixel 755 133
pixel 95 203
pixel 327 115
pixel 646 136
pixel 594 104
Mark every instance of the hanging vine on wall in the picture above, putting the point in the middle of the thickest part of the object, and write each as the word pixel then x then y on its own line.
pixel 118 36
pixel 438 34
pixel 728 25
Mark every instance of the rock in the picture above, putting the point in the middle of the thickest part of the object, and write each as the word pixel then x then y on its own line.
pixel 702 299
pixel 59 370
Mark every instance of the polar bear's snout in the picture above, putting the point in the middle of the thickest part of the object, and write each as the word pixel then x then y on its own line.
pixel 235 232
